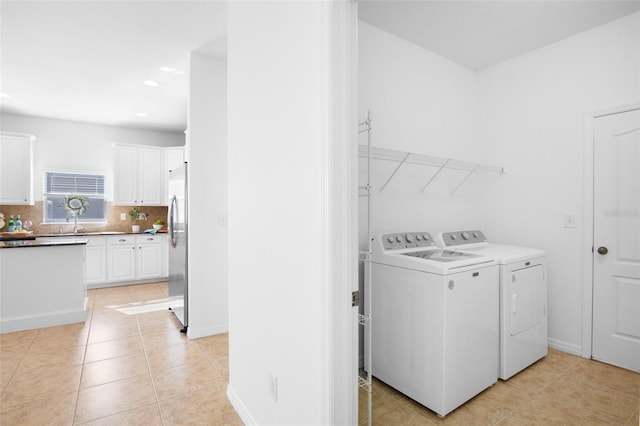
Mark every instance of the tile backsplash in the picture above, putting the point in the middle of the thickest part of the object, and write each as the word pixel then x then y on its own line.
pixel 35 214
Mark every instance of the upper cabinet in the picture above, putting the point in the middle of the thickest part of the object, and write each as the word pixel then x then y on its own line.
pixel 173 157
pixel 16 168
pixel 139 176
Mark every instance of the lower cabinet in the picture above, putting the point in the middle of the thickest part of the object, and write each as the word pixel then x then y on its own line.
pixel 134 258
pixel 121 258
pixel 127 257
pixel 96 261
pixel 149 257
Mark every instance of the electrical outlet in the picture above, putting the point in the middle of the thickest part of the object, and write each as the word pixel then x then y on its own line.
pixel 569 220
pixel 222 221
pixel 123 216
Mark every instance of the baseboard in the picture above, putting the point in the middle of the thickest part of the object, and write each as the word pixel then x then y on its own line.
pixel 240 408
pixel 47 319
pixel 197 332
pixel 124 283
pixel 565 347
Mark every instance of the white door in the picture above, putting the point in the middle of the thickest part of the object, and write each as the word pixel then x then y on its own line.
pixel 616 262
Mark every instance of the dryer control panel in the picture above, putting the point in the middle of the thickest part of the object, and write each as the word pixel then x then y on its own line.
pixel 403 240
pixel 459 238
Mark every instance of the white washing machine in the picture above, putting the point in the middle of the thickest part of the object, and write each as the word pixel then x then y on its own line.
pixel 434 320
pixel 523 297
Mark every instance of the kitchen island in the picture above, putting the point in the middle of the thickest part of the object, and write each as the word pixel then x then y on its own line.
pixel 42 283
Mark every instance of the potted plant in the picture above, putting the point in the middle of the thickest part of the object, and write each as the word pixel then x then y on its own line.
pixel 134 214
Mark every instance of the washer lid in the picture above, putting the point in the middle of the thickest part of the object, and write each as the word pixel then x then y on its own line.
pixel 442 255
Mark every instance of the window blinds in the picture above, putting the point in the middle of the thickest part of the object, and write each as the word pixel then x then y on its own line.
pixel 73 183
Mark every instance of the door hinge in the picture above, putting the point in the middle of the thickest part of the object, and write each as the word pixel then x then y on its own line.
pixel 355 298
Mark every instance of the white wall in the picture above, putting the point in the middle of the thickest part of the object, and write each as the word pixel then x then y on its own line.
pixel 532 119
pixel 207 147
pixel 77 146
pixel 423 103
pixel 276 128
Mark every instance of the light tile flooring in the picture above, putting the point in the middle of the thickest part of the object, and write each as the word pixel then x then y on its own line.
pixel 128 364
pixel 560 389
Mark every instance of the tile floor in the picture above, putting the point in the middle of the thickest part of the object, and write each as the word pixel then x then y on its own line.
pixel 128 364
pixel 560 389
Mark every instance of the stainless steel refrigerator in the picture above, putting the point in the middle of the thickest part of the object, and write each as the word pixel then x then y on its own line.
pixel 178 234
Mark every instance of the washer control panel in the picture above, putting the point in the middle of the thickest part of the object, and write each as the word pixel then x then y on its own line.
pixel 402 240
pixel 463 237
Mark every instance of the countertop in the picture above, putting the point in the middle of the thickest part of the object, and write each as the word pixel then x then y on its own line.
pixel 25 242
pixel 29 240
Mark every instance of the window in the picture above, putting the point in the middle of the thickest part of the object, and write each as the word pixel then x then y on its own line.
pixel 57 185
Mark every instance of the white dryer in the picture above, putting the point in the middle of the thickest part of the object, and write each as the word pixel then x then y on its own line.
pixel 523 297
pixel 434 320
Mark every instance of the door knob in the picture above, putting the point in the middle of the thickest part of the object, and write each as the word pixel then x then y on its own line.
pixel 603 250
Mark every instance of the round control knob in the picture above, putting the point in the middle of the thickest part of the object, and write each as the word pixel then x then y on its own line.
pixel 409 238
pixel 475 235
pixel 453 237
pixel 425 237
pixel 419 237
pixel 465 235
pixel 390 239
pixel 398 239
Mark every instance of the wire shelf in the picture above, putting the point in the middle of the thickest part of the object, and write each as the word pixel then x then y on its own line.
pixel 440 163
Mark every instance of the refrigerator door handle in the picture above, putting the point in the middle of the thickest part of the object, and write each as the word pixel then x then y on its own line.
pixel 172 221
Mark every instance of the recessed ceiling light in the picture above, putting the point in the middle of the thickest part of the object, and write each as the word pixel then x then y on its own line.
pixel 167 69
pixel 151 83
pixel 4 95
pixel 142 114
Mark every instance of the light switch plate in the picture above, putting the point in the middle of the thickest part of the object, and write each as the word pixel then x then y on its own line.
pixel 123 216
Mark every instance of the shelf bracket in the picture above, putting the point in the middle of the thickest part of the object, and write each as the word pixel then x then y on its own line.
pixel 465 178
pixel 435 174
pixel 395 171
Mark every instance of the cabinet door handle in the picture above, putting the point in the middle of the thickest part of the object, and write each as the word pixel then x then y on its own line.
pixel 122 240
pixel 149 239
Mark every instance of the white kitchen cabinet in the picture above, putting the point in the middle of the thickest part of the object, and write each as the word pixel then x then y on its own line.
pixel 139 175
pixel 140 257
pixel 149 257
pixel 96 261
pixel 121 258
pixel 16 168
pixel 173 157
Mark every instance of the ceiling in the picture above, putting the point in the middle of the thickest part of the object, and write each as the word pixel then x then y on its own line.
pixel 478 34
pixel 87 60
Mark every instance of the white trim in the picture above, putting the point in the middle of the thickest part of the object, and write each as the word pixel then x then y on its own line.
pixel 198 332
pixel 339 403
pixel 587 232
pixel 565 347
pixel 47 319
pixel 31 137
pixel 241 409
